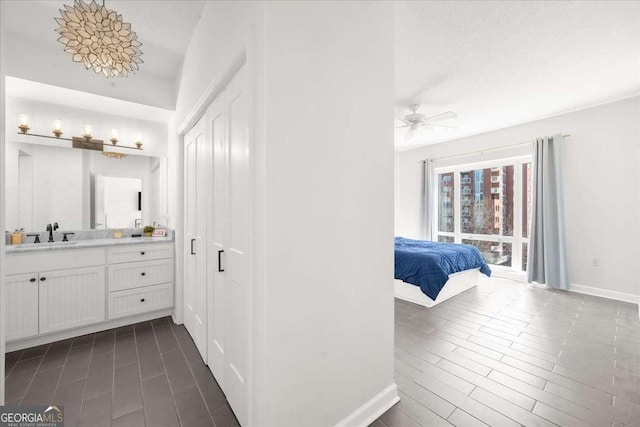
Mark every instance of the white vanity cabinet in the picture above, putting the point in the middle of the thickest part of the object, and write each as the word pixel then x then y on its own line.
pixel 21 292
pixel 58 294
pixel 53 291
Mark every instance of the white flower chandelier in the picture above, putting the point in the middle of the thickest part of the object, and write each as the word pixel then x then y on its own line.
pixel 98 38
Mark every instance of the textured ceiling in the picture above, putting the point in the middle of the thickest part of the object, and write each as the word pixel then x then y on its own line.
pixel 498 64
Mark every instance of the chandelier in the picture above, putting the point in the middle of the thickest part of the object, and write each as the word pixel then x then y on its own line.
pixel 99 39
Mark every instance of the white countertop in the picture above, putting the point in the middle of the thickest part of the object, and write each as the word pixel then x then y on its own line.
pixel 82 244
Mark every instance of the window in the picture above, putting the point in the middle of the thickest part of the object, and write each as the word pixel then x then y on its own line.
pixel 488 205
pixel 446 209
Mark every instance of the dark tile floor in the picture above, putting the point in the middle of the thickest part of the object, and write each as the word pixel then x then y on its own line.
pixel 147 374
pixel 507 354
pixel 501 354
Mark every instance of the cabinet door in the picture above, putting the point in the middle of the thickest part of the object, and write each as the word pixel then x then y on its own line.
pixel 71 298
pixel 21 293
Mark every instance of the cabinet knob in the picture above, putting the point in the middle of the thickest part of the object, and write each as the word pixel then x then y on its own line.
pixel 143 274
pixel 141 299
pixel 142 253
pixel 33 279
pixel 42 279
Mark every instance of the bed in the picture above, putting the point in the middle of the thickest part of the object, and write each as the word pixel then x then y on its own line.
pixel 428 273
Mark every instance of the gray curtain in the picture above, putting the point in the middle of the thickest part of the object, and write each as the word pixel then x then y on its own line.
pixel 428 199
pixel 547 256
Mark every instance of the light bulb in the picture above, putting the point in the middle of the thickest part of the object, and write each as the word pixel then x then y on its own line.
pixel 114 136
pixel 23 123
pixel 57 128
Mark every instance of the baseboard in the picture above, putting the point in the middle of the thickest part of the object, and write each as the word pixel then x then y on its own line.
pixel 604 293
pixel 372 409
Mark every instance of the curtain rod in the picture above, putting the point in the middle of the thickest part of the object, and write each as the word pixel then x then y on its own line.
pixel 485 151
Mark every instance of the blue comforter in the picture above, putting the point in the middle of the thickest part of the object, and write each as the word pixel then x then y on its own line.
pixel 428 264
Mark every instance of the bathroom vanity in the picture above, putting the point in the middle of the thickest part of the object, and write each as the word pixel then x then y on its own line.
pixel 66 289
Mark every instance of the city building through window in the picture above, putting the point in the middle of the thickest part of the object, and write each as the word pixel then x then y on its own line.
pixel 487 205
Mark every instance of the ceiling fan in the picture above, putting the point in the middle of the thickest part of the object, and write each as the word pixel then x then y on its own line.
pixel 416 120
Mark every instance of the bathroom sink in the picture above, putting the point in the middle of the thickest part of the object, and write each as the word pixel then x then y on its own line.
pixel 70 243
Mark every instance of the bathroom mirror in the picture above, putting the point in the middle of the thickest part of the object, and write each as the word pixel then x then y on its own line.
pixel 79 189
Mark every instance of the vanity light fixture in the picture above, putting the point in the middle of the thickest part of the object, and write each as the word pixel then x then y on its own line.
pixel 86 141
pixel 99 38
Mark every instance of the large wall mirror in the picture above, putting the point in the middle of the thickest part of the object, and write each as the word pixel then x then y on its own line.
pixel 79 189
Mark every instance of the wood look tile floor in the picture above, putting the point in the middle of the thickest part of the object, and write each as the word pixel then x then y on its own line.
pixel 149 374
pixel 508 354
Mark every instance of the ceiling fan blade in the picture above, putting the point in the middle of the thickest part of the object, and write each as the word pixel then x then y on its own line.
pixel 441 116
pixel 403 126
pixel 409 135
pixel 439 125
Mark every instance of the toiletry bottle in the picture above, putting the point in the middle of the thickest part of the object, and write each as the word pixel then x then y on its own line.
pixel 16 237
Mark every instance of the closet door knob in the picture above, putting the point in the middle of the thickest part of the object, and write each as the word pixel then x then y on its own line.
pixel 33 279
pixel 143 274
pixel 142 253
pixel 42 279
pixel 141 299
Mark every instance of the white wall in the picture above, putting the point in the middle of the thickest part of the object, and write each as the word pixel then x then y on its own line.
pixel 601 188
pixel 323 191
pixel 329 208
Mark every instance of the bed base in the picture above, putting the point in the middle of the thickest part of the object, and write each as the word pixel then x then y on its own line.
pixel 457 283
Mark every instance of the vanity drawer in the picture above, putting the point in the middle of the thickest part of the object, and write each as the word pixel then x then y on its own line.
pixel 137 274
pixel 140 300
pixel 141 252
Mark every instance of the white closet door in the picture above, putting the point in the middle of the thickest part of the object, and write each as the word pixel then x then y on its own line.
pixel 238 241
pixel 195 289
pixel 230 227
pixel 218 225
